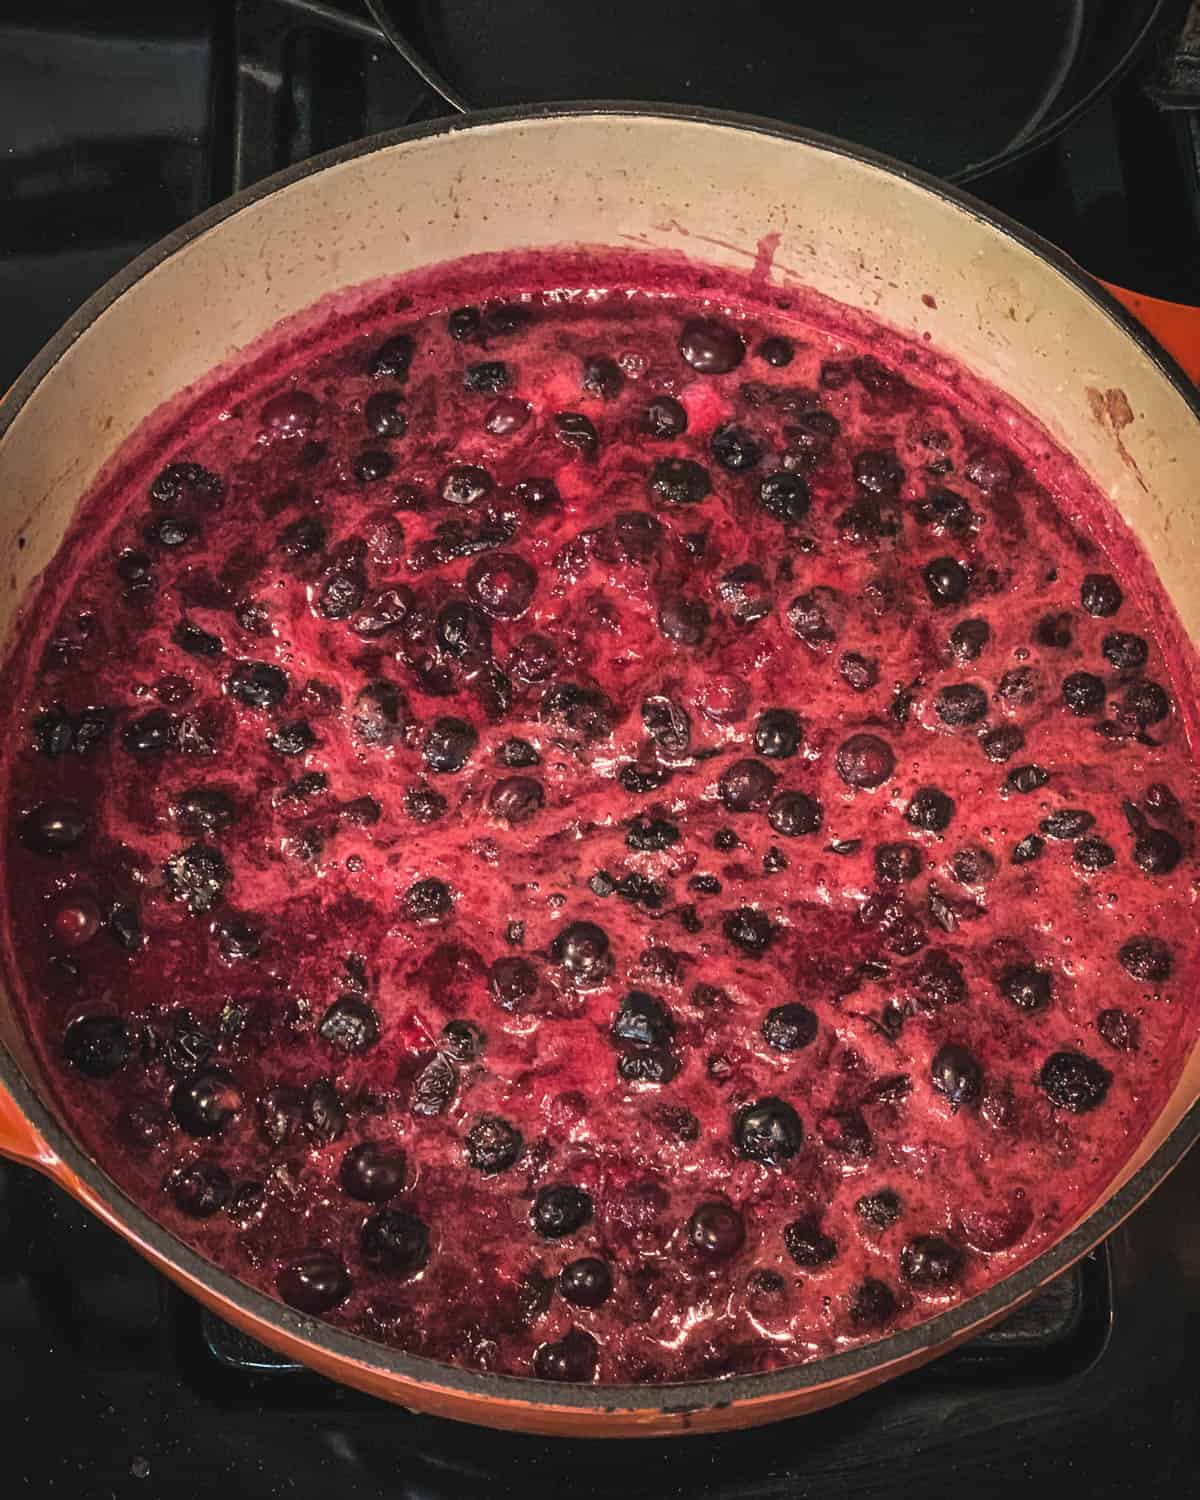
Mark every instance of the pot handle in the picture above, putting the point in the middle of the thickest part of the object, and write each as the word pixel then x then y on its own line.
pixel 1175 325
pixel 19 1141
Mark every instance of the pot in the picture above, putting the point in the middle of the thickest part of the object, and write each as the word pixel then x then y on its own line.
pixel 922 257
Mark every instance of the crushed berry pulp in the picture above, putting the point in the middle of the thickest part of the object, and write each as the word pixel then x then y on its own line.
pixel 621 835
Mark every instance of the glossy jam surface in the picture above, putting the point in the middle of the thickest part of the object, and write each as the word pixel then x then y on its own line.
pixel 623 837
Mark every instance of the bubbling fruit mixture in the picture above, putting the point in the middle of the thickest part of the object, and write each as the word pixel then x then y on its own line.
pixel 617 837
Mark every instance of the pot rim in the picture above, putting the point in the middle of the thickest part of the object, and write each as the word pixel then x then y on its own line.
pixel 674 1397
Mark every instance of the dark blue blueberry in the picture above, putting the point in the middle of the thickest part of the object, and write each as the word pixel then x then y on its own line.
pixel 1100 595
pixel 573 1358
pixel 492 1145
pixel 317 1281
pixel 769 1131
pixel 880 1209
pixel 777 733
pixel 350 1025
pixel 750 930
pixel 716 1230
pixel 372 1172
pixel 1074 1081
pixel 53 828
pixel 582 948
pixel 789 1027
pixel 664 417
pixel 794 814
pixel 808 1245
pixel 392 358
pixel 679 481
pixel 151 733
pixel 956 1074
pixel 257 684
pixel 200 1190
pixel 946 581
pixel 488 377
pixel 98 1046
pixel 197 876
pixel 785 497
pixel 205 1103
pixel 586 1282
pixel 560 1210
pixel 711 347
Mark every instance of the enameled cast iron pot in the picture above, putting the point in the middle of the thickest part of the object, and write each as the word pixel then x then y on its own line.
pixel 863 231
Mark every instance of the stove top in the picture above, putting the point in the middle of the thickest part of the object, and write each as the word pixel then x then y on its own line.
pixel 115 128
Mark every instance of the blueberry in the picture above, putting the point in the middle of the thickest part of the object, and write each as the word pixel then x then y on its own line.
pixel 463 323
pixel 257 684
pixel 939 981
pixel 372 1173
pixel 428 901
pixel 946 581
pixel 1074 1081
pixel 1026 779
pixel 968 639
pixel 879 472
pixel 513 982
pixel 53 732
pixel 810 434
pixel 789 1028
pixel 1067 823
pixel 349 1025
pixel 639 779
pixel 324 1119
pixel 734 448
pixel 745 785
pixel 463 1040
pixel 281 1112
pixel 633 536
pixel 679 481
pixel 463 631
pixel 205 1102
pixel 492 1145
pixel 809 618
pixel 316 1282
pixel 1119 1030
pixel 197 876
pixel 1027 987
pixel 124 926
pixel 716 1230
pixel 573 1358
pixel 516 799
pixel 343 591
pixel 930 809
pixel 576 431
pixel 725 839
pixel 582 948
pixel 1156 851
pixel 97 1046
pixel 898 863
pixel 395 1242
pixel 53 828
pixel 466 484
pixel 1003 742
pixel 150 733
pixel 880 1209
pixel 502 585
pixel 584 713
pixel 945 511
pixel 1125 653
pixel 776 351
pixel 1147 959
pixel 370 466
pixel 294 738
pixel 1054 631
pixel 300 538
pixel 1019 687
pixel 135 569
pixel 1092 854
pixel 930 1262
pixel 643 1020
pixel 847 1132
pixel 664 417
pixel 1100 595
pixel 667 724
pixel 785 497
pixel 777 733
pixel 502 318
pixel 487 378
pixel 769 1131
pixel 586 1282
pixel 865 760
pixel 385 415
pixel 449 745
pixel 750 930
pixel 745 593
pixel 186 481
pixel 860 673
pixel 253 617
pixel 872 1304
pixel 1083 693
pixel 238 937
pixel 682 620
pixel 392 358
pixel 808 1245
pixel 200 1190
pixel 647 1065
pixel 956 1074
pixel 203 809
pixel 793 814
pixel 602 377
pixel 961 703
pixel 559 1210
pixel 1145 703
pixel 1028 849
pixel 711 347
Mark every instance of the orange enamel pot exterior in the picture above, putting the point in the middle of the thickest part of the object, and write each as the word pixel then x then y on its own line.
pixel 857 229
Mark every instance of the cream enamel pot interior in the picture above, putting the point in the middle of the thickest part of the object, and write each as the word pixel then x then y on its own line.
pixel 857 229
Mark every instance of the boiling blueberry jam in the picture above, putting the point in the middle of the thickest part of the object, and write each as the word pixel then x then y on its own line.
pixel 615 835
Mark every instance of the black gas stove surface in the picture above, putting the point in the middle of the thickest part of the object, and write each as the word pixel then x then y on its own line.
pixel 115 128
